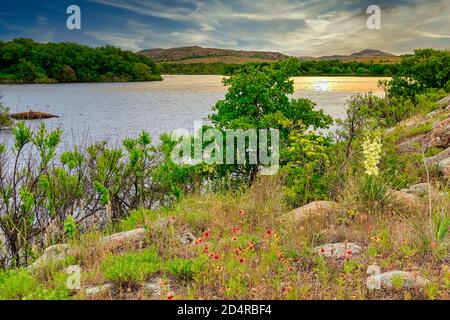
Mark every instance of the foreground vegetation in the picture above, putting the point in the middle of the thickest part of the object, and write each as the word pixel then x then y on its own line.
pixel 26 61
pixel 212 231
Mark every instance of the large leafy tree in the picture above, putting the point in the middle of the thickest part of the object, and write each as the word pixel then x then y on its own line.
pixel 258 98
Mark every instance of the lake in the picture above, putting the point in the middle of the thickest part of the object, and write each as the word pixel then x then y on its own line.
pixel 95 111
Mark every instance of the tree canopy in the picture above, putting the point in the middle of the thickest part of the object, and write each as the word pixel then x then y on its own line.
pixel 23 60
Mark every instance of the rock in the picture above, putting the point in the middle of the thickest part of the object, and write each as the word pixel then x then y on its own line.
pixel 405 198
pixel 393 279
pixel 439 136
pixel 438 157
pixel 107 288
pixel 118 239
pixel 186 238
pixel 338 250
pixel 314 209
pixel 445 102
pixel 52 255
pixel 444 166
pixel 419 189
pixel 153 287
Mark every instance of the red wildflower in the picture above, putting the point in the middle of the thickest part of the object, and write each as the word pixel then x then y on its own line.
pixel 205 249
pixel 322 250
pixel 174 218
pixel 170 296
pixel 216 257
pixel 198 240
pixel 241 212
pixel 241 260
pixel 234 238
pixel 268 232
pixel 206 234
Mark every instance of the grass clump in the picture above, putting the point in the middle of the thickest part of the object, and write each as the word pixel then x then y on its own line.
pixel 131 268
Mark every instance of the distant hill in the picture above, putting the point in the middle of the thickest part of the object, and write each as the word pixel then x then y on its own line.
pixel 361 56
pixel 196 54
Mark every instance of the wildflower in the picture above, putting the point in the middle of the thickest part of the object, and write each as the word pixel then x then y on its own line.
pixel 206 234
pixel 234 238
pixel 372 152
pixel 174 218
pixel 291 268
pixel 237 251
pixel 375 239
pixel 205 249
pixel 241 260
pixel 170 296
pixel 322 251
pixel 198 240
pixel 211 255
pixel 241 212
pixel 216 256
pixel 251 248
pixel 276 237
pixel 268 232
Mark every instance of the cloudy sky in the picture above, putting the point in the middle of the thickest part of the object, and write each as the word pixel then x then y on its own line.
pixel 296 27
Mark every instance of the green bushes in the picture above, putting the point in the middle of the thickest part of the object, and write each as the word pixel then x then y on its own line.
pixel 23 60
pixel 425 69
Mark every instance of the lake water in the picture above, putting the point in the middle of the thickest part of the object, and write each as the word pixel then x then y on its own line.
pixel 92 112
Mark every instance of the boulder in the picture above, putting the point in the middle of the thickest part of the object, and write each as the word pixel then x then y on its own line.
pixel 338 250
pixel 118 239
pixel 52 255
pixel 314 209
pixel 405 198
pixel 393 279
pixel 444 166
pixel 186 238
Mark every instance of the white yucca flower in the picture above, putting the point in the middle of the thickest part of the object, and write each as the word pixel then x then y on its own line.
pixel 372 152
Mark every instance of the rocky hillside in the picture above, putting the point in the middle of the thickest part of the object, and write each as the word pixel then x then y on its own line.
pixel 361 56
pixel 210 55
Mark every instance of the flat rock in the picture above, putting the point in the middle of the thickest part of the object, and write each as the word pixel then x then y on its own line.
pixel 338 250
pixel 393 279
pixel 107 288
pixel 314 209
pixel 118 239
pixel 52 255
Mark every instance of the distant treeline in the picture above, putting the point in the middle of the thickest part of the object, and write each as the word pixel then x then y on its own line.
pixel 305 68
pixel 23 60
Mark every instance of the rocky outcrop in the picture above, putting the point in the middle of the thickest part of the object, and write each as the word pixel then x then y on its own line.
pixel 314 209
pixel 338 250
pixel 445 102
pixel 393 279
pixel 439 137
pixel 418 189
pixel 186 238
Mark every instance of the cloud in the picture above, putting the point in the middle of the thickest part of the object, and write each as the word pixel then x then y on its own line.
pixel 295 27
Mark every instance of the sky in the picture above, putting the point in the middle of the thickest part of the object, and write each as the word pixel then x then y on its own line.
pixel 294 27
